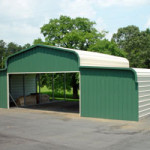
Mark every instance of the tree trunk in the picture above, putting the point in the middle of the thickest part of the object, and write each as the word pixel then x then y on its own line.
pixel 75 87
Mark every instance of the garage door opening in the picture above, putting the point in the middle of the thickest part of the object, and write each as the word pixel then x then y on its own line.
pixel 45 91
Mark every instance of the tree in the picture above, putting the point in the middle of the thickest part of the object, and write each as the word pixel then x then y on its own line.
pixel 124 36
pixel 2 53
pixel 9 49
pixel 26 46
pixel 38 41
pixel 13 48
pixel 144 46
pixel 46 79
pixel 78 33
pixel 135 43
pixel 107 47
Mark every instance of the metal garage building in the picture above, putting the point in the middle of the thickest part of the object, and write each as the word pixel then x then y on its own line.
pixel 108 87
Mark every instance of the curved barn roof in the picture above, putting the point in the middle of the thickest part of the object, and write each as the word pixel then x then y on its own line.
pixel 98 59
pixel 86 58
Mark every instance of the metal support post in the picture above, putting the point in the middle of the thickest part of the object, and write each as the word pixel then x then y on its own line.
pixel 39 89
pixel 53 86
pixel 24 93
pixel 64 86
pixel 36 77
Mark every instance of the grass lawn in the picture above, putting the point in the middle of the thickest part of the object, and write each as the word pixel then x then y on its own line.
pixel 59 95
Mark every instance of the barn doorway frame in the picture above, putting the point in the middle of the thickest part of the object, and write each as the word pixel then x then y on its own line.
pixel 23 73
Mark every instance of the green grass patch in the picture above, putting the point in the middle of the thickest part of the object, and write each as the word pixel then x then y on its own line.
pixel 59 95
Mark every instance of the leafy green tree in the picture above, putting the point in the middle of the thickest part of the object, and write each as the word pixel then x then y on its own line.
pixel 2 53
pixel 124 37
pixel 38 41
pixel 107 47
pixel 46 79
pixel 13 48
pixel 144 49
pixel 78 33
pixel 135 43
pixel 9 49
pixel 26 46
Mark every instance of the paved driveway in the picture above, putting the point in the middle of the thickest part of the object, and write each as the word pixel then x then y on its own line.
pixel 26 129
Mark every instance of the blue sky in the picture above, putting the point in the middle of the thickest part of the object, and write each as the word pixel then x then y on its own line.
pixel 20 20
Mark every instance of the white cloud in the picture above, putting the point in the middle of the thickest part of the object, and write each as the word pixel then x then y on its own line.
pixel 86 7
pixel 76 8
pixel 148 23
pixel 128 3
pixel 16 8
pixel 109 35
pixel 19 33
pixel 82 8
pixel 14 26
pixel 21 19
pixel 100 25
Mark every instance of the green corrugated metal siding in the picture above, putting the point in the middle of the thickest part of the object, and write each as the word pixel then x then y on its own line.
pixel 109 94
pixel 42 59
pixel 3 89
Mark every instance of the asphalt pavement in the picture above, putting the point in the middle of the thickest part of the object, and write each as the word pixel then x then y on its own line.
pixel 32 129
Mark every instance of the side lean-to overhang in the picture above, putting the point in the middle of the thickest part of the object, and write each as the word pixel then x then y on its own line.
pixel 143 79
pixel 110 93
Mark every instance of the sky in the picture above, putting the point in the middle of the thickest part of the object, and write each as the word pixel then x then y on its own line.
pixel 20 20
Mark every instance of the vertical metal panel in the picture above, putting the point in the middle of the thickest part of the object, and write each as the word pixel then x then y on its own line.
pixel 109 94
pixel 41 59
pixel 16 85
pixel 143 76
pixel 3 89
pixel 30 84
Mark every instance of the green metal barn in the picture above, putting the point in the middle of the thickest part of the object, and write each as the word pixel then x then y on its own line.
pixel 109 88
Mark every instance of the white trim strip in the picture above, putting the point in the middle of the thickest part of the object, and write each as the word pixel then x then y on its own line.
pixel 43 72
pixel 8 91
pixel 80 94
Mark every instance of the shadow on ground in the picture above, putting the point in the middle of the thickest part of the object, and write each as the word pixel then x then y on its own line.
pixel 58 106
